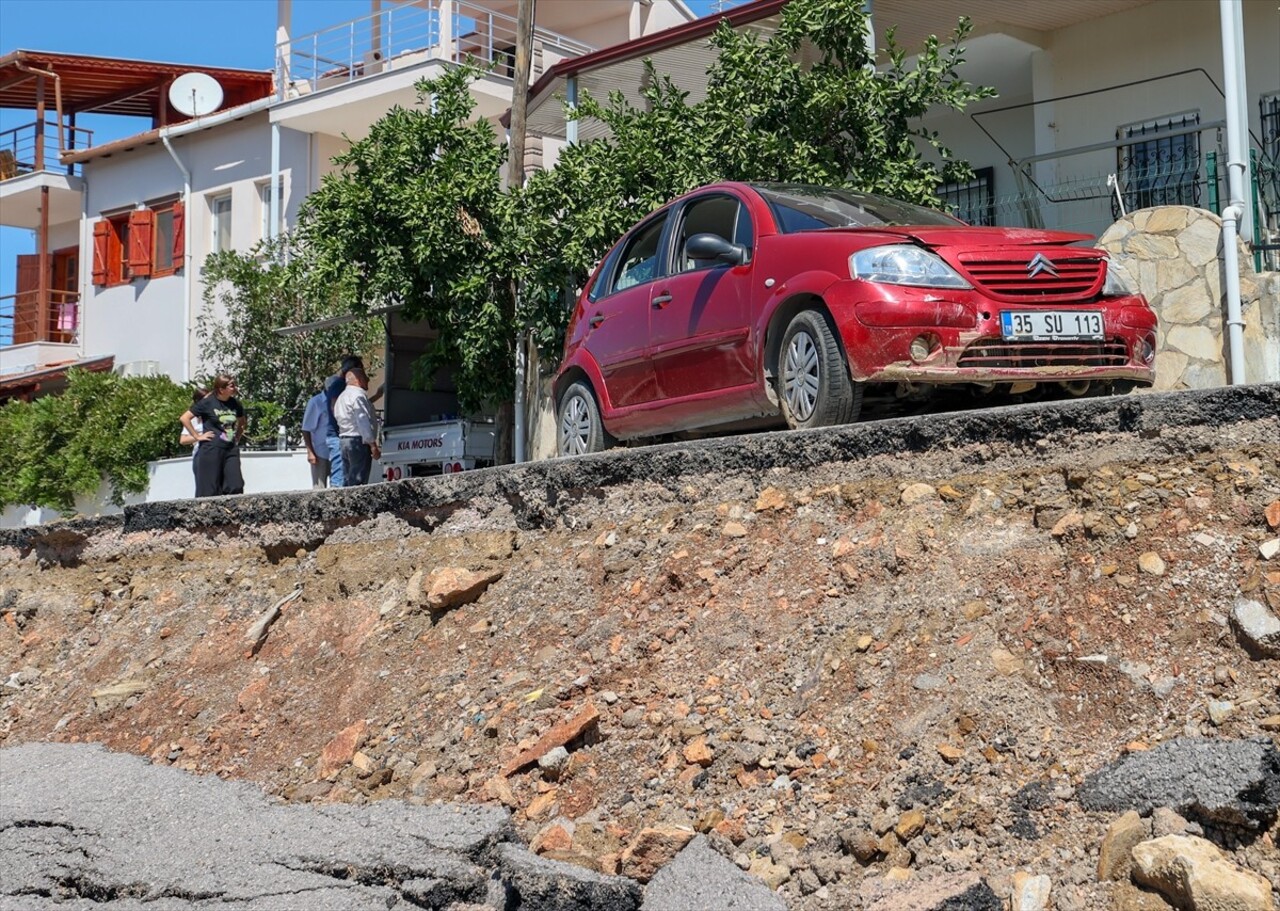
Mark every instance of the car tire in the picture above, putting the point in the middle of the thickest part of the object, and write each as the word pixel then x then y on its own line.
pixel 579 427
pixel 814 387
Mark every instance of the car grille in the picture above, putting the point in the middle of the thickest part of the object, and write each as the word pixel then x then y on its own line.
pixel 993 353
pixel 1005 277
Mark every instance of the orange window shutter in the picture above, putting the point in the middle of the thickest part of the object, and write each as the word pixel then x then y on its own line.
pixel 101 239
pixel 179 231
pixel 141 222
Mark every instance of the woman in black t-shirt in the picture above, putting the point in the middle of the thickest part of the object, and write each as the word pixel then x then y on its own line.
pixel 222 417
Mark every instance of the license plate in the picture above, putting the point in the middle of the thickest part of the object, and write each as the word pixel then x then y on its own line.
pixel 1051 325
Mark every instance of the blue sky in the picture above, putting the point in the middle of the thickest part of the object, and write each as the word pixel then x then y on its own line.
pixel 227 33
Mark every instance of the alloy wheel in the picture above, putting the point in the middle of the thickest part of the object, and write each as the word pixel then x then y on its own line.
pixel 801 373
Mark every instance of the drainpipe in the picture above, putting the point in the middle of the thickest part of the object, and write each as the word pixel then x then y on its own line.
pixel 186 258
pixel 273 209
pixel 1233 214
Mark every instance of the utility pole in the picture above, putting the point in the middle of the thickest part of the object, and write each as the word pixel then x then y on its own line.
pixel 515 179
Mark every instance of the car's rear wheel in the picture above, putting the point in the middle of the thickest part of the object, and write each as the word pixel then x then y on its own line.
pixel 813 379
pixel 579 428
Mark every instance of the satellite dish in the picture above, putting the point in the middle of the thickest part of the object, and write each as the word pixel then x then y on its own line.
pixel 195 94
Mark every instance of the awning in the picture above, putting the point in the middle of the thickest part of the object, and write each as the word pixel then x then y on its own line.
pixel 109 85
pixel 51 378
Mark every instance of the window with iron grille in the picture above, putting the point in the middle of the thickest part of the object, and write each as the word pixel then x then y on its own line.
pixel 1160 163
pixel 1269 105
pixel 971 200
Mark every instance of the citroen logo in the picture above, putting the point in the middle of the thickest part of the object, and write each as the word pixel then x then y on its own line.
pixel 1040 263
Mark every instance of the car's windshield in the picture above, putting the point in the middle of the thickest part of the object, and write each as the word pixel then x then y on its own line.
pixel 800 207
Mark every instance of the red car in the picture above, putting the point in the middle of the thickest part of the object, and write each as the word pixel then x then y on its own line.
pixel 736 304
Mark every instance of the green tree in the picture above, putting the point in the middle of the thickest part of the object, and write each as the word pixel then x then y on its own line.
pixel 804 105
pixel 103 426
pixel 416 216
pixel 247 297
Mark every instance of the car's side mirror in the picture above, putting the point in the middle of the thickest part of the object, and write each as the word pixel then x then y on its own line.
pixel 713 246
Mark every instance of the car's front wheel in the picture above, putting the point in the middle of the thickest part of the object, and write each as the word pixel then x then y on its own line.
pixel 580 428
pixel 813 379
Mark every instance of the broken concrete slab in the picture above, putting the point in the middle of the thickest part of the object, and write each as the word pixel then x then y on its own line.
pixel 700 877
pixel 537 884
pixel 1224 782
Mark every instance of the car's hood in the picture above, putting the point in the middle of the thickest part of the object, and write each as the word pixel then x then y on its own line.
pixel 970 236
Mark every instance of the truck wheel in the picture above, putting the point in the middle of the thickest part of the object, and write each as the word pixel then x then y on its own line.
pixel 580 429
pixel 813 379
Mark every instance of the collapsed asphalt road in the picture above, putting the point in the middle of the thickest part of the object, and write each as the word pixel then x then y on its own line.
pixel 81 827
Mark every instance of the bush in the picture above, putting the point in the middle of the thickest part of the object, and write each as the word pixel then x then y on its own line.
pixel 103 426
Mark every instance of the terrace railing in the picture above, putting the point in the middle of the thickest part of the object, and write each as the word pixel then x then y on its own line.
pixel 404 35
pixel 24 320
pixel 35 147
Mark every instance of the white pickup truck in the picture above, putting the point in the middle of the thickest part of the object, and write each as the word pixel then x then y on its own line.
pixel 436 447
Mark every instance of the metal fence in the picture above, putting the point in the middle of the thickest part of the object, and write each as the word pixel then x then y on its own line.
pixel 23 320
pixel 35 147
pixel 406 35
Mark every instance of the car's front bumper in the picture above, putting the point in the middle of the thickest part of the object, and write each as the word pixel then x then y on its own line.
pixel 957 338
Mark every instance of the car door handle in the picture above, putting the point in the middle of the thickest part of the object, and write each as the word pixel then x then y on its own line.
pixel 597 320
pixel 661 301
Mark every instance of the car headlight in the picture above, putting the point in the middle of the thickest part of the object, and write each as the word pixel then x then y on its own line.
pixel 1117 283
pixel 902 264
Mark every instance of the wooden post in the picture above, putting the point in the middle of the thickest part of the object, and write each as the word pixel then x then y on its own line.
pixel 39 162
pixel 42 248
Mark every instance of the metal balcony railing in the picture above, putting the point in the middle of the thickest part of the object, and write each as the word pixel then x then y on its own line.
pixel 23 320
pixel 35 147
pixel 405 35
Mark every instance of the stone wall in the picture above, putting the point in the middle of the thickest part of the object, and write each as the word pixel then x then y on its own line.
pixel 1172 253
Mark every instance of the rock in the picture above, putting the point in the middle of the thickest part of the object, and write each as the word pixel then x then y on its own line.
pixel 699 877
pixel 1151 563
pixel 910 824
pixel 1115 856
pixel 918 493
pixel 652 849
pixel 1194 874
pixel 445 588
pixel 771 499
pixel 734 530
pixel 552 762
pixel 861 843
pixel 1268 549
pixel 1256 627
pixel 558 836
pixel 773 875
pixel 950 754
pixel 698 752
pixel 1167 822
pixel 563 734
pixel 541 883
pixel 1227 782
pixel 1272 514
pixel 949 892
pixel 1005 662
pixel 1030 893
pixel 1220 710
pixel 338 752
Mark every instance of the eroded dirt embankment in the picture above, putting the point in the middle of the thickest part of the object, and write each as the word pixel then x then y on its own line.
pixel 794 642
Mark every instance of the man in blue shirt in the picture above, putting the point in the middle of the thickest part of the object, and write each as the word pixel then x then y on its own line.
pixel 315 433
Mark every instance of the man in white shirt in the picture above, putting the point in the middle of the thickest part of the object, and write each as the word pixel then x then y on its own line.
pixel 357 429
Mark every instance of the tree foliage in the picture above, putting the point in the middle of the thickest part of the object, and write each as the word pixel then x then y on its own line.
pixel 59 447
pixel 416 215
pixel 249 295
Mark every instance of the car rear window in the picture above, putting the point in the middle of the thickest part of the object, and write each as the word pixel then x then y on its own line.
pixel 798 207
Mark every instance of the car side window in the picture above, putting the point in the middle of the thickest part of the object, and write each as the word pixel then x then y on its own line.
pixel 724 216
pixel 639 260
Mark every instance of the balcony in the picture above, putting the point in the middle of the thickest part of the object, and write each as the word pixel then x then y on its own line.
pixel 25 318
pixel 342 79
pixel 30 164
